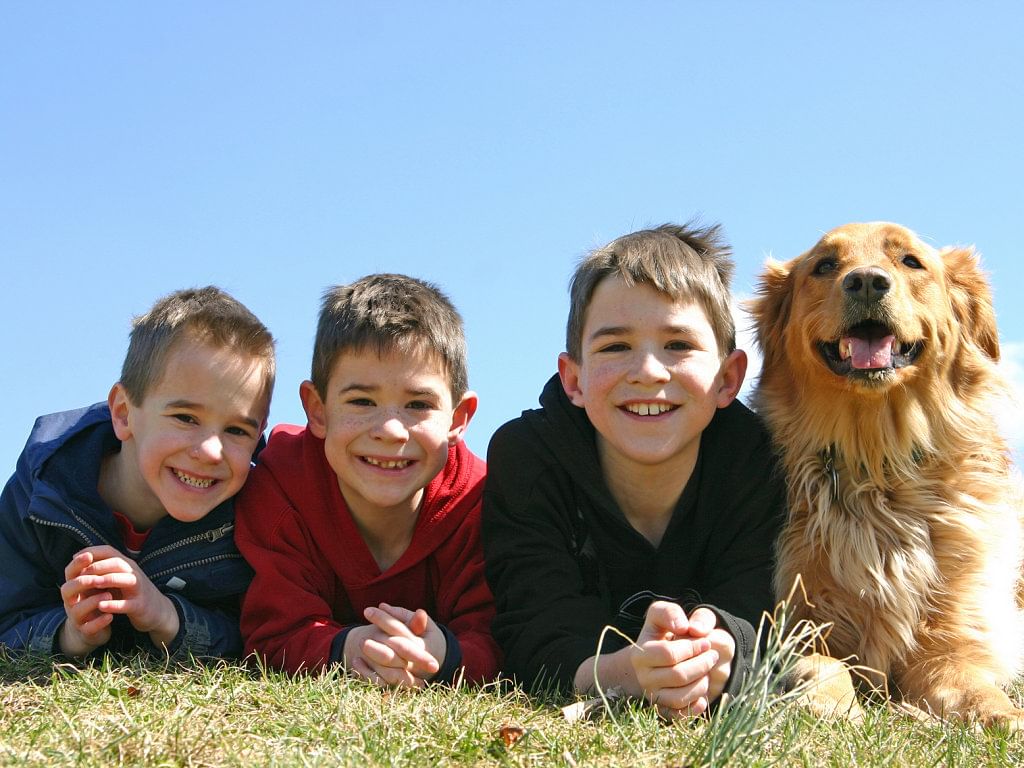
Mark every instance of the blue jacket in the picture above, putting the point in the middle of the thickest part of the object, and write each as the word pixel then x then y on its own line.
pixel 50 509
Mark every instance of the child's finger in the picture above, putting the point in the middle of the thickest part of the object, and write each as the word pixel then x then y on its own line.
pixel 86 613
pixel 419 622
pixel 382 655
pixel 115 605
pixel 100 552
pixel 668 653
pixel 78 563
pixel 663 619
pixel 95 625
pixel 702 621
pixel 117 580
pixel 359 667
pixel 387 623
pixel 107 566
pixel 415 654
pixel 385 676
pixel 685 673
pixel 404 615
pixel 698 707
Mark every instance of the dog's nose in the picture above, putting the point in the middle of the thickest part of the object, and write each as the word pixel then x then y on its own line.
pixel 867 285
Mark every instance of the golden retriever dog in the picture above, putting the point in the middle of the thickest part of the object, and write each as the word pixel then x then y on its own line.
pixel 878 382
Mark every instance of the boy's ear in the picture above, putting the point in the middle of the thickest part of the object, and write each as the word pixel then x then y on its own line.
pixel 569 373
pixel 731 375
pixel 120 410
pixel 461 416
pixel 314 407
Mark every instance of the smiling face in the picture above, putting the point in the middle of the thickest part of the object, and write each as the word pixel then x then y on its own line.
pixel 650 375
pixel 865 298
pixel 387 423
pixel 188 446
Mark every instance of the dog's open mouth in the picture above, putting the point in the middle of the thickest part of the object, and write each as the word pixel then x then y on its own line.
pixel 868 348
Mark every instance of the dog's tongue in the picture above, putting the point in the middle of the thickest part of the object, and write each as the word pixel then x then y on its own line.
pixel 869 353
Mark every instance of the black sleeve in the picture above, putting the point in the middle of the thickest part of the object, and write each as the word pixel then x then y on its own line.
pixel 746 498
pixel 545 623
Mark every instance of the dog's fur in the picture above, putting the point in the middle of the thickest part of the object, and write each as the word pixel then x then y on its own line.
pixel 880 362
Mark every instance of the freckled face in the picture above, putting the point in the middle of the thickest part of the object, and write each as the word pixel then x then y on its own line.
pixel 387 424
pixel 188 446
pixel 649 376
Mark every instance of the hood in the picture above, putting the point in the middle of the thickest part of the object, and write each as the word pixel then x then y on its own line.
pixel 51 432
pixel 566 431
pixel 295 457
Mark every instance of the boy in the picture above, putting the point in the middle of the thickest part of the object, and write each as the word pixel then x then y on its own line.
pixel 363 527
pixel 641 494
pixel 115 530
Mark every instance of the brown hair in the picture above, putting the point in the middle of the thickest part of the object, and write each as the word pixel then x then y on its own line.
pixel 684 262
pixel 388 312
pixel 204 315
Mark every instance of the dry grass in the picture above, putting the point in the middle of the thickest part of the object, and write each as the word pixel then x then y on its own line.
pixel 137 712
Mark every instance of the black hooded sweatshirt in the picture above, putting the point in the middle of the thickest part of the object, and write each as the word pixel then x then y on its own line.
pixel 564 562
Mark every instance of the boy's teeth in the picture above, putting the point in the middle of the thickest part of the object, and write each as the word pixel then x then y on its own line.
pixel 648 409
pixel 400 464
pixel 195 482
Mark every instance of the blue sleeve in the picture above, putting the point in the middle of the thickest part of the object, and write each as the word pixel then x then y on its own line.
pixel 204 632
pixel 452 658
pixel 31 609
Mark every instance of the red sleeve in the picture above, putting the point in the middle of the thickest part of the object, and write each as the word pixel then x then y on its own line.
pixel 465 604
pixel 286 615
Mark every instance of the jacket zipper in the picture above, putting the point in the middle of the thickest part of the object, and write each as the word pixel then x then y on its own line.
pixel 77 531
pixel 195 563
pixel 210 536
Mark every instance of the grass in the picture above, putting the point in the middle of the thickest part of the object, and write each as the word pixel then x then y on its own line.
pixel 138 712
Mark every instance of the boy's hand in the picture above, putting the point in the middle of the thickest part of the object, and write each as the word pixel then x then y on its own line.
pixel 129 591
pixel 399 647
pixel 87 627
pixel 704 623
pixel 673 661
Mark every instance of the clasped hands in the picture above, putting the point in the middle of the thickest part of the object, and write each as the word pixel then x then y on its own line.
pixel 681 663
pixel 398 647
pixel 100 582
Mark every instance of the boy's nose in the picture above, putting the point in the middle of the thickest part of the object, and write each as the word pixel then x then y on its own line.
pixel 649 368
pixel 390 427
pixel 209 450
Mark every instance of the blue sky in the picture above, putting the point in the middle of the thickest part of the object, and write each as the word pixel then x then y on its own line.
pixel 276 149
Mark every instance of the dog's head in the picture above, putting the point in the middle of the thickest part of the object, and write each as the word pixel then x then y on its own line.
pixel 869 307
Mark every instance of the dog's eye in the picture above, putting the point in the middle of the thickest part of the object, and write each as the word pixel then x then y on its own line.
pixel 911 261
pixel 825 266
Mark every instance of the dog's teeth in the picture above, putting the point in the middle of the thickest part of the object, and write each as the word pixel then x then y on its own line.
pixel 845 349
pixel 895 347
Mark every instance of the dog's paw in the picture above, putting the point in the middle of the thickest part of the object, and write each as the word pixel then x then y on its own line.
pixel 1011 720
pixel 825 686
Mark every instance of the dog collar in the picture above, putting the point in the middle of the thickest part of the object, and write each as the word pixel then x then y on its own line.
pixel 828 458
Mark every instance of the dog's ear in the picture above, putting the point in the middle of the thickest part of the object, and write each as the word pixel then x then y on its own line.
pixel 971 299
pixel 770 308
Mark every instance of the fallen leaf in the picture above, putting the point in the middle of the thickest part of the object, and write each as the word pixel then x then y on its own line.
pixel 510 734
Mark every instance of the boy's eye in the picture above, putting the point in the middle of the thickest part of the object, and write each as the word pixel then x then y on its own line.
pixel 363 402
pixel 420 405
pixel 238 431
pixel 615 346
pixel 679 346
pixel 185 418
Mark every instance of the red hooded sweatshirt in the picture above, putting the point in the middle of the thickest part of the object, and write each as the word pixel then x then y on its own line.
pixel 315 574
